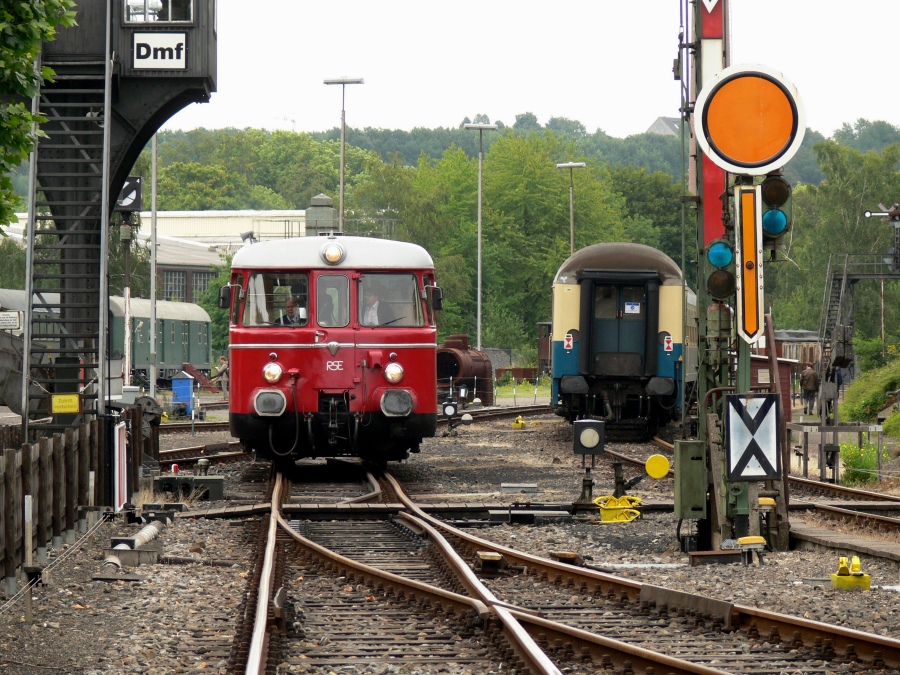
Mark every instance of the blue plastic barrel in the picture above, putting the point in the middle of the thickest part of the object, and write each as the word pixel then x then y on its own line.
pixel 182 391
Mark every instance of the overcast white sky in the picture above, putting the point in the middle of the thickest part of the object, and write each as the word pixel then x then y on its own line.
pixel 431 63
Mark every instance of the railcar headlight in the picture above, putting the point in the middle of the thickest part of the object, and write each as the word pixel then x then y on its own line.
pixel 272 372
pixel 333 253
pixel 393 373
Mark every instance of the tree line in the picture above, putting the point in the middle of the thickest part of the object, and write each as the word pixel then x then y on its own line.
pixel 421 186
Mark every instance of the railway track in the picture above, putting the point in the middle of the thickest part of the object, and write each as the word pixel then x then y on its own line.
pixel 347 588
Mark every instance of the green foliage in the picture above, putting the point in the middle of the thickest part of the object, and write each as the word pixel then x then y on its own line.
pixel 12 271
pixel 218 317
pixel 872 353
pixel 892 425
pixel 866 396
pixel 865 135
pixel 23 27
pixel 828 219
pixel 422 186
pixel 860 463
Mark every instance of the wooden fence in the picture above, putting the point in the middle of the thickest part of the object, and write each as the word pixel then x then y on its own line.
pixel 56 471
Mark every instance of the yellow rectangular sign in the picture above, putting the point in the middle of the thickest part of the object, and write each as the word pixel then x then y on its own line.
pixel 65 404
pixel 748 261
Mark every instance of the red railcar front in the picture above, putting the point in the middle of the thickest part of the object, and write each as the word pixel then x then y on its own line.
pixel 333 347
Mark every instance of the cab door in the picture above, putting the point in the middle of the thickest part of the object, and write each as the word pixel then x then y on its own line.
pixel 334 354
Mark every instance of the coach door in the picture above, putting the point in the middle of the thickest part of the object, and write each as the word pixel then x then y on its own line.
pixel 619 324
pixel 619 315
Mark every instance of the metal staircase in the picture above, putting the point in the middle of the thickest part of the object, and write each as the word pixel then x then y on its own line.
pixel 837 306
pixel 63 325
pixel 836 321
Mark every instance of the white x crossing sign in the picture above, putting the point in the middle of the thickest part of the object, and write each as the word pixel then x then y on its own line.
pixel 752 447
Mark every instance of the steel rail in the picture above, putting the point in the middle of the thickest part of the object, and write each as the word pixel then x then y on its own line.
pixel 525 646
pixel 599 646
pixel 868 647
pixel 837 513
pixel 257 656
pixel 389 579
pixel 854 493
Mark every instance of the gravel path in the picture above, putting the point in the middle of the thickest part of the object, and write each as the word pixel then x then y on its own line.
pixel 158 625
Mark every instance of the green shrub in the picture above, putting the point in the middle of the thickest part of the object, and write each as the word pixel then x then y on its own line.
pixel 892 425
pixel 860 463
pixel 872 353
pixel 866 397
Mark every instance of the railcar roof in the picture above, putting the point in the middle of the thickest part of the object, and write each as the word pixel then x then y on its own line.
pixel 140 307
pixel 165 309
pixel 304 252
pixel 618 256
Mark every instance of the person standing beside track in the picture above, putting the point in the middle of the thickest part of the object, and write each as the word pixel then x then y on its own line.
pixel 222 376
pixel 809 387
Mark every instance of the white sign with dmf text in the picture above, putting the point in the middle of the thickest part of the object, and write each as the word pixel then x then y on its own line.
pixel 159 51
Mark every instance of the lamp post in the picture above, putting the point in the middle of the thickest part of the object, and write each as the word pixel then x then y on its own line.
pixel 480 128
pixel 571 166
pixel 343 81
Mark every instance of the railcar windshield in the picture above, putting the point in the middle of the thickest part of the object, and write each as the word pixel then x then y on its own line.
pixel 276 299
pixel 390 300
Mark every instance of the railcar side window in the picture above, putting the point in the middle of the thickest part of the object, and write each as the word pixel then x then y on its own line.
pixel 390 300
pixel 333 300
pixel 269 296
pixel 172 11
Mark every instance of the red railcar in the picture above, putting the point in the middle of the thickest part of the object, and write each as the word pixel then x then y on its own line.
pixel 333 347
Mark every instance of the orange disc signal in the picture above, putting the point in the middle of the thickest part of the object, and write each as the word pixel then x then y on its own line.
pixel 749 120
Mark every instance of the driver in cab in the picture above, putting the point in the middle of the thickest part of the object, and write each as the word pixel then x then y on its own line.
pixel 376 313
pixel 293 315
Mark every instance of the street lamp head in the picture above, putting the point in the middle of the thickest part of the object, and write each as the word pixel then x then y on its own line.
pixel 481 127
pixel 345 80
pixel 571 165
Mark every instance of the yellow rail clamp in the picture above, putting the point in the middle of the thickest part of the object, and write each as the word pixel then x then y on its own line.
pixel 618 509
pixel 657 466
pixel 519 423
pixel 850 577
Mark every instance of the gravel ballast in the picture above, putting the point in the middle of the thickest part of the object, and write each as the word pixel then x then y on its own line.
pixel 160 623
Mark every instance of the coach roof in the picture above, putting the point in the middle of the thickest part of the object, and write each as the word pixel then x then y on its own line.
pixel 619 256
pixel 305 252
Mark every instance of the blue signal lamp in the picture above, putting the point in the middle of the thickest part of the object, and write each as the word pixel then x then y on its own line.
pixel 720 254
pixel 774 222
pixel 721 282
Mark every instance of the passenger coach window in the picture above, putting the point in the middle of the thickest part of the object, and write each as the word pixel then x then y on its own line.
pixel 390 300
pixel 268 296
pixel 170 11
